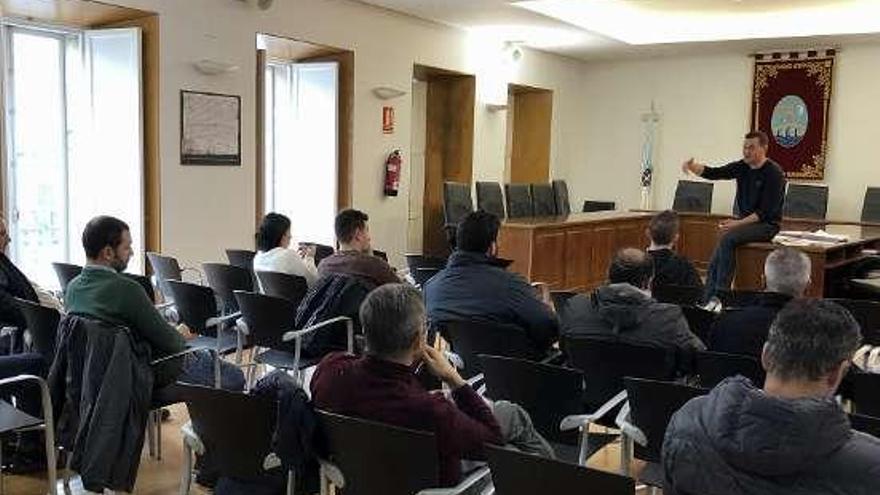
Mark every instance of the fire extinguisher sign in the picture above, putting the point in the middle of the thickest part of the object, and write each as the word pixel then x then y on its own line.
pixel 388 120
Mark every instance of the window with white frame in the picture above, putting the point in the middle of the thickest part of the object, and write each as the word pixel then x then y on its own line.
pixel 73 140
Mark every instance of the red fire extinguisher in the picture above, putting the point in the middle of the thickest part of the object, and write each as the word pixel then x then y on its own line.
pixel 392 173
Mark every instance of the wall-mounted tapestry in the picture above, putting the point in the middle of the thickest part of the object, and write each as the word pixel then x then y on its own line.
pixel 791 100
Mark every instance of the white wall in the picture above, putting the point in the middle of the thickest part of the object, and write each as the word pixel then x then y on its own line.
pixel 207 209
pixel 704 106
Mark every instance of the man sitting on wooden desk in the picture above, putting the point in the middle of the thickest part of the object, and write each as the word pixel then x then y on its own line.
pixel 760 191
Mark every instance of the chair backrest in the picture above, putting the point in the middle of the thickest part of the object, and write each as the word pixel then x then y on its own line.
pixel 591 206
pixel 805 201
pixel 700 321
pixel 871 205
pixel 468 339
pixel 867 313
pixel 284 285
pixel 145 284
pixel 865 395
pixel 605 363
pixel 652 404
pixel 739 298
pixel 693 196
pixel 517 473
pixel 865 424
pixel 364 450
pixel 194 303
pixel 543 200
pixel 677 294
pixel 519 200
pixel 242 258
pixel 422 275
pixel 165 268
pixel 321 251
pixel 457 202
pixel 416 261
pixel 66 272
pixel 42 324
pixel 490 198
pixel 560 299
pixel 236 428
pixel 381 255
pixel 548 393
pixel 267 318
pixel 560 195
pixel 225 279
pixel 713 367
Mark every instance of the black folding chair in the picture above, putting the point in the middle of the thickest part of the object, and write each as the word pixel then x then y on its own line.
pixel 604 364
pixel 226 279
pixel 167 268
pixel 519 200
pixel 865 393
pixel 549 394
pixel 490 198
pixel 290 287
pixel 422 275
pixel 560 299
pixel 543 201
pixel 66 272
pixel 361 451
pixel 871 205
pixel 516 473
pixel 197 308
pixel 643 421
pixel 693 196
pixel 457 202
pixel 237 429
pixel 42 327
pixel 242 258
pixel 682 295
pixel 865 424
pixel 592 206
pixel 867 313
pixel 700 321
pixel 805 201
pixel 13 419
pixel 468 339
pixel 560 194
pixel 714 367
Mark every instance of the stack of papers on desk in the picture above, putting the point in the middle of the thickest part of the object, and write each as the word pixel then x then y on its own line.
pixel 804 238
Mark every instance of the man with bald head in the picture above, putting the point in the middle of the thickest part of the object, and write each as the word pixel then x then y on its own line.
pixel 624 309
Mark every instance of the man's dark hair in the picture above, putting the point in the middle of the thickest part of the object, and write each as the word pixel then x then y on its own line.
pixel 392 317
pixel 810 338
pixel 348 222
pixel 762 137
pixel 663 227
pixel 101 232
pixel 272 230
pixel 631 266
pixel 477 231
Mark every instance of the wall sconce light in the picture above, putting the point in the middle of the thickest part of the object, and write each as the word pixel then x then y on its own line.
pixel 214 67
pixel 387 93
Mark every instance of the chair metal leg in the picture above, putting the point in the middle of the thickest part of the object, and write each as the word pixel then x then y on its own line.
pixel 585 445
pixel 291 482
pixel 186 474
pixel 626 450
pixel 158 417
pixel 2 480
pixel 151 434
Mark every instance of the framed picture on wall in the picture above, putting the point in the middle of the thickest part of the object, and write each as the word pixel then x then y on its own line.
pixel 210 128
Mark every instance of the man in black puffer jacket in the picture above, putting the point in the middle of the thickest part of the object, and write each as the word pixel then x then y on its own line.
pixel 789 438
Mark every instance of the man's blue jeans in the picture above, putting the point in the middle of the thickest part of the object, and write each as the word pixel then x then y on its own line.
pixel 723 264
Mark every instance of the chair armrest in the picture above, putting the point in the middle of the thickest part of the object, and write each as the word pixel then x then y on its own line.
pixel 553 357
pixel 455 359
pixel 630 430
pixel 191 438
pixel 8 330
pixel 164 305
pixel 294 334
pixel 217 320
pixel 579 420
pixel 176 355
pixel 332 473
pixel 465 485
pixel 242 327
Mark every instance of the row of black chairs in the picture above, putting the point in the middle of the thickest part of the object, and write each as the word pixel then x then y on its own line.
pixel 517 201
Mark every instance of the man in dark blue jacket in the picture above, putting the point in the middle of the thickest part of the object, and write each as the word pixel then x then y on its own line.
pixel 473 286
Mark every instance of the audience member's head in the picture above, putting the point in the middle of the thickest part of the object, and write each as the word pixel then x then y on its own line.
pixel 787 271
pixel 4 235
pixel 663 229
pixel 393 320
pixel 631 266
pixel 352 230
pixel 274 232
pixel 809 348
pixel 478 232
pixel 107 241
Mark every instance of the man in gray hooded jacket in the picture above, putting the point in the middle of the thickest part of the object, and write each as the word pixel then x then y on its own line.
pixel 624 309
pixel 792 437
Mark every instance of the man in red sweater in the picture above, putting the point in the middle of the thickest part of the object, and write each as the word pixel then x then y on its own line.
pixel 382 385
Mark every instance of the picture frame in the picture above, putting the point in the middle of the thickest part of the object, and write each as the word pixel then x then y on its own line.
pixel 210 128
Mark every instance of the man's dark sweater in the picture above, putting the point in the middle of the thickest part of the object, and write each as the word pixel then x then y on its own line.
pixel 744 330
pixel 103 294
pixel 13 284
pixel 387 392
pixel 672 269
pixel 760 191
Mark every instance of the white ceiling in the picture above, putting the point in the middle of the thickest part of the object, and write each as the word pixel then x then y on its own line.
pixel 575 36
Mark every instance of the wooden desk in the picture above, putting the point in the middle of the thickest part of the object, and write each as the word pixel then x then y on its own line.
pixel 826 260
pixel 570 252
pixel 573 252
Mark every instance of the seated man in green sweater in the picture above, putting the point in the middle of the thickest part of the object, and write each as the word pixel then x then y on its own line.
pixel 100 292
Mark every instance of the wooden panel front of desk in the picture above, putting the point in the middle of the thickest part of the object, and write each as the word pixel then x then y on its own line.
pixel 571 252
